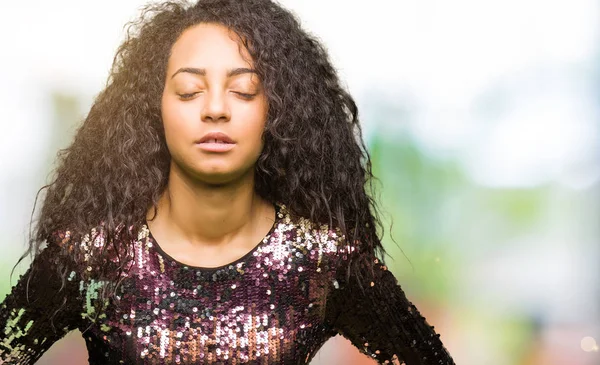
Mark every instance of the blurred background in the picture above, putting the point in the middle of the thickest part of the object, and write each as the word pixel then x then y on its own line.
pixel 482 118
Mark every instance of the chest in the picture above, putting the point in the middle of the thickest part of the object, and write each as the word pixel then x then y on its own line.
pixel 253 313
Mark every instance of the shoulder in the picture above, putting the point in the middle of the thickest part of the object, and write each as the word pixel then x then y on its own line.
pixel 75 241
pixel 91 250
pixel 318 239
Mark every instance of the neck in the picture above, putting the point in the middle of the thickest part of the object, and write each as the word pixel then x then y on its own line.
pixel 209 214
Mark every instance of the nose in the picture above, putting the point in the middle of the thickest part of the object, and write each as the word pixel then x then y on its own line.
pixel 215 107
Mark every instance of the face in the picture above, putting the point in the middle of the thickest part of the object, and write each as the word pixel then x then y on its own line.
pixel 211 87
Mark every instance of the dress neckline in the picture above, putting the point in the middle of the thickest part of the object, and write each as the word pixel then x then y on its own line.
pixel 265 240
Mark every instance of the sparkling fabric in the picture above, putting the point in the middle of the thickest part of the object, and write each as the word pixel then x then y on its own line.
pixel 278 304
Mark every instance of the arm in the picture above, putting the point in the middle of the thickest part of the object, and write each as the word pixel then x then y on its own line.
pixel 37 313
pixel 382 322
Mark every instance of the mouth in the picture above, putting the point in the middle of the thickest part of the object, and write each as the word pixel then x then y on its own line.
pixel 216 137
pixel 217 141
pixel 213 145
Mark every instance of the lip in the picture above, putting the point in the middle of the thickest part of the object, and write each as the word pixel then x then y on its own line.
pixel 220 136
pixel 215 147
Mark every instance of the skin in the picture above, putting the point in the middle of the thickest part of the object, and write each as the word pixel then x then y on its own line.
pixel 209 214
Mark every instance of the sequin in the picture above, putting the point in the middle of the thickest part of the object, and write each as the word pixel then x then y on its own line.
pixel 278 304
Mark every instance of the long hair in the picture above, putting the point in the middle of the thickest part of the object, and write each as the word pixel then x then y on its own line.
pixel 314 158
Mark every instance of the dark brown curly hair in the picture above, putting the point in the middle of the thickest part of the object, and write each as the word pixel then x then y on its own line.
pixel 314 158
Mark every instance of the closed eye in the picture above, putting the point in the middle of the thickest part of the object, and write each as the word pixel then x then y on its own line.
pixel 187 96
pixel 191 95
pixel 245 96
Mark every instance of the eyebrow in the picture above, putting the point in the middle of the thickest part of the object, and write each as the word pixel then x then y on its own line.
pixel 202 71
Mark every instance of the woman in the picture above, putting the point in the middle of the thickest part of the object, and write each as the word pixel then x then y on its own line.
pixel 212 208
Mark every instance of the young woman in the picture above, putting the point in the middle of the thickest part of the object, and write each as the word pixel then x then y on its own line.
pixel 212 208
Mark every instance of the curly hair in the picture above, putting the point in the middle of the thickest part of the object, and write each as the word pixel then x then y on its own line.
pixel 314 158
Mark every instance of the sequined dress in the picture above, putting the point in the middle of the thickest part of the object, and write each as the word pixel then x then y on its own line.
pixel 278 304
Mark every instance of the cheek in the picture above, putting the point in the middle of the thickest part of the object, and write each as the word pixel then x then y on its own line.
pixel 255 126
pixel 174 119
pixel 255 115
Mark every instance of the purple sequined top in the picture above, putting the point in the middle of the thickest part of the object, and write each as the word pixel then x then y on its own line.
pixel 278 304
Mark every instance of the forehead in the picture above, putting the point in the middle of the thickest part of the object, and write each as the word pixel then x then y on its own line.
pixel 209 46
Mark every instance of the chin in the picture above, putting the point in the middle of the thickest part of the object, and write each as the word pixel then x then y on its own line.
pixel 219 176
